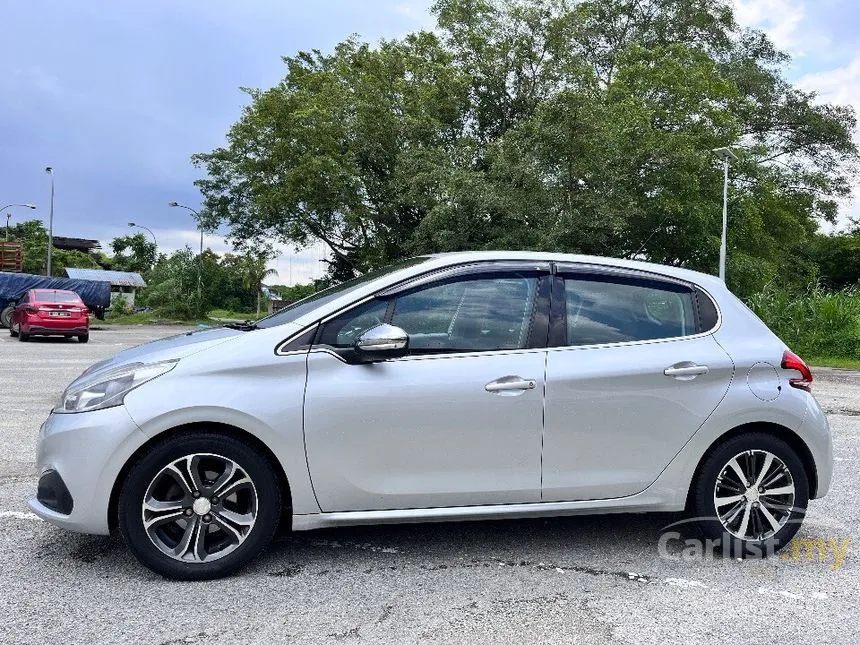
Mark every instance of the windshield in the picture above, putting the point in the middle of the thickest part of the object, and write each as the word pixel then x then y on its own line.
pixel 300 308
pixel 57 296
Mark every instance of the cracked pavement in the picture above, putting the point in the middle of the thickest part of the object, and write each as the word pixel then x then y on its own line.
pixel 596 579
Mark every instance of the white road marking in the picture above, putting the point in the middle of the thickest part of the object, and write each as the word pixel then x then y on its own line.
pixel 764 591
pixel 686 584
pixel 19 515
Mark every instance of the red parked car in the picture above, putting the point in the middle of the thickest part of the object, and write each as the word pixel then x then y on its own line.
pixel 50 312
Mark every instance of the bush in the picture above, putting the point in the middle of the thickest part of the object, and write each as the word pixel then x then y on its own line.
pixel 815 323
pixel 119 306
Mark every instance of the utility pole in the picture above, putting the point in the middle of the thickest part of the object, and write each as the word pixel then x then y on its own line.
pixel 9 214
pixel 50 171
pixel 199 257
pixel 726 155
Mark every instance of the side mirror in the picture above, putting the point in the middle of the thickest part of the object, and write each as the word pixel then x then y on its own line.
pixel 381 342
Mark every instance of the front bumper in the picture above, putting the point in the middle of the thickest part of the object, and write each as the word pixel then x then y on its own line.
pixel 87 450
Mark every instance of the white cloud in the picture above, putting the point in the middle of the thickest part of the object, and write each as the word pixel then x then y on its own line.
pixel 840 85
pixel 782 20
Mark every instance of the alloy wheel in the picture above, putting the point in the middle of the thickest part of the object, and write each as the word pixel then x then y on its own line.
pixel 200 508
pixel 754 495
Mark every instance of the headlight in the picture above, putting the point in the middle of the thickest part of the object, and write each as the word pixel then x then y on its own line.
pixel 109 389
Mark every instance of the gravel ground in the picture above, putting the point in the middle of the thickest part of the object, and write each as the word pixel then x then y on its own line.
pixel 594 579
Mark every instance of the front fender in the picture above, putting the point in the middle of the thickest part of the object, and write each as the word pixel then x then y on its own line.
pixel 267 406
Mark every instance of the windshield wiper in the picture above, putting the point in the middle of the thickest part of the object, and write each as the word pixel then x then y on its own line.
pixel 242 326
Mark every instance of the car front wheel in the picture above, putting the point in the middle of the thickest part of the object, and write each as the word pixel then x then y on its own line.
pixel 199 506
pixel 751 495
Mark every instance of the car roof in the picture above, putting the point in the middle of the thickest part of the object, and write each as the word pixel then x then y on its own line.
pixel 702 279
pixel 441 261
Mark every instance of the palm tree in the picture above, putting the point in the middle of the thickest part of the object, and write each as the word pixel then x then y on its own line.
pixel 254 271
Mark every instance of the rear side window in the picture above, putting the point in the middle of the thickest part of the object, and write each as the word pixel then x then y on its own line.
pixel 616 310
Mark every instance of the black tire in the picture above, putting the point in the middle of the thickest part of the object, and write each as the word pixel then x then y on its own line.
pixel 704 505
pixel 84 338
pixel 22 336
pixel 6 316
pixel 255 465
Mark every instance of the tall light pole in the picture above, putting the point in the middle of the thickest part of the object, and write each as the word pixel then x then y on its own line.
pixel 50 171
pixel 145 228
pixel 726 154
pixel 200 257
pixel 9 215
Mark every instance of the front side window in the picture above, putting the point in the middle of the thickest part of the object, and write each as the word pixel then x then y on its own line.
pixel 345 329
pixel 479 313
pixel 615 311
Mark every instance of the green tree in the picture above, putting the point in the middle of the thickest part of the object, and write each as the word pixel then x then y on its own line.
pixel 838 259
pixel 34 239
pixel 173 286
pixel 254 271
pixel 296 292
pixel 133 253
pixel 573 126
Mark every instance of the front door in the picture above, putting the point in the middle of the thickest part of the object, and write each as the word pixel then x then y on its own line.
pixel 634 378
pixel 457 422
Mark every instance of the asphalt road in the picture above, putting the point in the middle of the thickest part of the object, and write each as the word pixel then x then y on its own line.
pixel 597 579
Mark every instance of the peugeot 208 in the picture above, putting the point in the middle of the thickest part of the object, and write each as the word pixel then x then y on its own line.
pixel 446 387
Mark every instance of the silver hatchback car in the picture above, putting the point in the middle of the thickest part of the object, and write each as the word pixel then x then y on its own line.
pixel 446 387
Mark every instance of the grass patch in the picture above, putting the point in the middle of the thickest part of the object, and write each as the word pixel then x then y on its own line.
pixel 235 315
pixel 830 361
pixel 147 318
pixel 815 322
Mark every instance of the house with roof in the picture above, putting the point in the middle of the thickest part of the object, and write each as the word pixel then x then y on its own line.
pixel 123 284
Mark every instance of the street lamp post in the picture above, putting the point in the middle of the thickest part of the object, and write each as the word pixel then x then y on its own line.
pixel 145 228
pixel 200 257
pixel 726 154
pixel 9 215
pixel 50 171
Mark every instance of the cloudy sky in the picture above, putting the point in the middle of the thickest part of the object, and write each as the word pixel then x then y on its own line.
pixel 117 96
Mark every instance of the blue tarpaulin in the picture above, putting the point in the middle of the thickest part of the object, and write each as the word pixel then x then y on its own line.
pixel 96 295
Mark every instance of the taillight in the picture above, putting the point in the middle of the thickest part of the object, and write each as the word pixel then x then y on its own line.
pixel 31 310
pixel 791 361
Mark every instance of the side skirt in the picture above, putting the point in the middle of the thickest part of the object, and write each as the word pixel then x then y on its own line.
pixel 640 503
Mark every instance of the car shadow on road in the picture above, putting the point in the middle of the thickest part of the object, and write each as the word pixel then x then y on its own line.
pixel 600 544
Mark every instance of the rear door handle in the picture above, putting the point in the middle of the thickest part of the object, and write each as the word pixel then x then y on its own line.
pixel 510 384
pixel 685 371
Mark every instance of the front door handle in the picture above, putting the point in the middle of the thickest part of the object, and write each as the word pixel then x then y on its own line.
pixel 686 370
pixel 510 384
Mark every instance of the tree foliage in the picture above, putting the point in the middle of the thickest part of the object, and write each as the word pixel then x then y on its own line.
pixel 34 239
pixel 133 253
pixel 551 124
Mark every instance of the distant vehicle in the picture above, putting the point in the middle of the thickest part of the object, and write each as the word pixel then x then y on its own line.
pixel 447 387
pixel 50 312
pixel 94 293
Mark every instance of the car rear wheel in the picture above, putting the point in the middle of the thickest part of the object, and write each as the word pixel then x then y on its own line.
pixel 84 338
pixel 199 506
pixel 751 495
pixel 22 336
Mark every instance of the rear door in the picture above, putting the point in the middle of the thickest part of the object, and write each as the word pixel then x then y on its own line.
pixel 634 374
